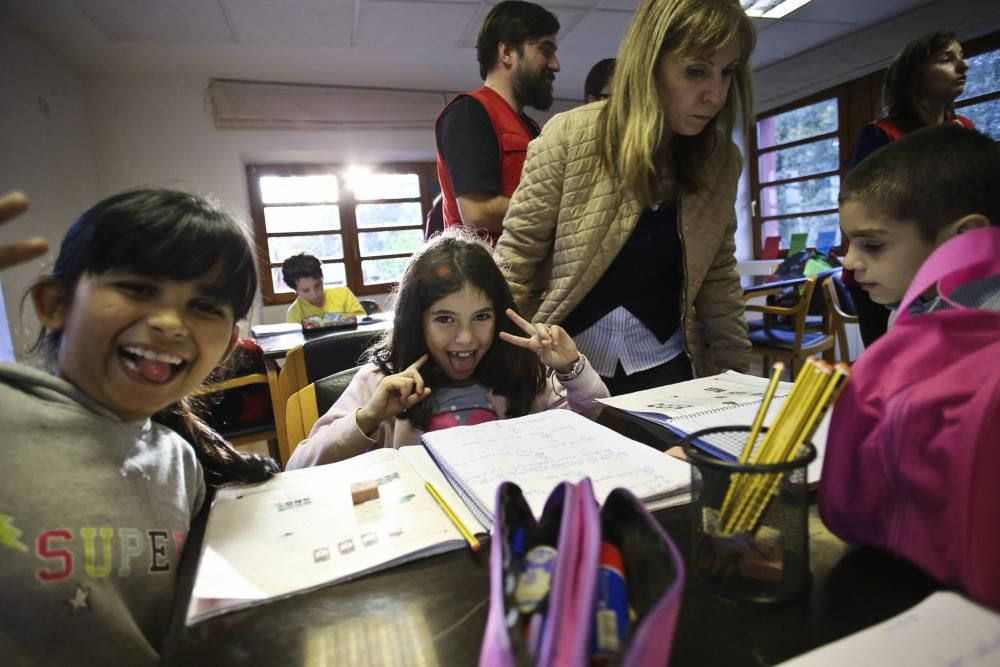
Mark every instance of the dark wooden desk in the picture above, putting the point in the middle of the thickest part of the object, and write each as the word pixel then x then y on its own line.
pixel 760 285
pixel 276 347
pixel 433 611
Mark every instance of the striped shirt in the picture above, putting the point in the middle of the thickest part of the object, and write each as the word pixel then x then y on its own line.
pixel 620 336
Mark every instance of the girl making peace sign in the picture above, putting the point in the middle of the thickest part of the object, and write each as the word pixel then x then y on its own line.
pixel 457 354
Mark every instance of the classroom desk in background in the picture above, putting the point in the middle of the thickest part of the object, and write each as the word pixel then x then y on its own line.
pixel 277 346
pixel 433 611
pixel 759 285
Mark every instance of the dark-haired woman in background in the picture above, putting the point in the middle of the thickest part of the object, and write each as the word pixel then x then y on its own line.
pixel 921 86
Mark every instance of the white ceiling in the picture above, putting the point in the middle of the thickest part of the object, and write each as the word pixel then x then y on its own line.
pixel 403 44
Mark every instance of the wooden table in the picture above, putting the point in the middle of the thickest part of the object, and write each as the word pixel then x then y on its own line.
pixel 433 611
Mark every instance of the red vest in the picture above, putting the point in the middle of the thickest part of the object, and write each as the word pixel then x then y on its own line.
pixel 512 140
pixel 894 131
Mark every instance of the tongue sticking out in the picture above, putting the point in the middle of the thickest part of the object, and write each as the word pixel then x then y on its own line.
pixel 154 371
pixel 463 365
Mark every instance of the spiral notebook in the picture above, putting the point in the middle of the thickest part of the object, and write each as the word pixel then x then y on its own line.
pixel 538 451
pixel 727 399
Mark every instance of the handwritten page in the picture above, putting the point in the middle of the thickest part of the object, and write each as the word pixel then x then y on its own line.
pixel 696 397
pixel 945 630
pixel 538 451
pixel 300 530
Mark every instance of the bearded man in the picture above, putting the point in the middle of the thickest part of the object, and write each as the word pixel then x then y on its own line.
pixel 482 136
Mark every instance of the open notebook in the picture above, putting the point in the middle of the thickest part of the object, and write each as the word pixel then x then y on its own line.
pixel 538 451
pixel 727 399
pixel 300 530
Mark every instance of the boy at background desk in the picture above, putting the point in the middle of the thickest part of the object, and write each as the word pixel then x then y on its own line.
pixel 304 274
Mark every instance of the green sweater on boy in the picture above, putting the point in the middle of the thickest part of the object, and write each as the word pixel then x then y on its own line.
pixel 93 515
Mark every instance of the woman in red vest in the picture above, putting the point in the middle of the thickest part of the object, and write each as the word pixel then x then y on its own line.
pixel 921 86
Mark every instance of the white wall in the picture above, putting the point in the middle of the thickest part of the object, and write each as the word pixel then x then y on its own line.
pixel 160 131
pixel 46 151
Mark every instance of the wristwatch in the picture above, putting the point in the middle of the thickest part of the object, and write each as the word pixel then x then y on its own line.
pixel 577 368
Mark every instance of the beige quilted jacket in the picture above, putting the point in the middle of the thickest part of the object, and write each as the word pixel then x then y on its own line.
pixel 568 219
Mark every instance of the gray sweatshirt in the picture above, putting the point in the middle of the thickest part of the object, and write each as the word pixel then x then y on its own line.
pixel 93 515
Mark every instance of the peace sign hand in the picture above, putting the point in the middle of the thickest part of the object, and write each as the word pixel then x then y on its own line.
pixel 393 394
pixel 13 204
pixel 554 347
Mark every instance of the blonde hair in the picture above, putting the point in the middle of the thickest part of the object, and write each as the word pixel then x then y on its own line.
pixel 632 123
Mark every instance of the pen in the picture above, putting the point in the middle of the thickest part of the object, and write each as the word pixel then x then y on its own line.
pixel 469 537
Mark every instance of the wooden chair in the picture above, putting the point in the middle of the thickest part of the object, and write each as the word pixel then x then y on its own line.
pixel 839 317
pixel 792 342
pixel 306 405
pixel 243 434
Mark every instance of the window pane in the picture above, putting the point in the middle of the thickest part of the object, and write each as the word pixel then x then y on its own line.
pixel 384 186
pixel 293 189
pixel 812 225
pixel 333 276
pixel 815 194
pixel 983 76
pixel 812 158
pixel 325 246
pixel 801 123
pixel 389 215
pixel 383 270
pixel 986 116
pixel 390 243
pixel 278 219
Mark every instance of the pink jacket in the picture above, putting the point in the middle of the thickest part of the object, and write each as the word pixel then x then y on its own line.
pixel 336 436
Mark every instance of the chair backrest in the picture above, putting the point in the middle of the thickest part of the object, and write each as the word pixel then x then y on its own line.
pixel 306 405
pixel 320 357
pixel 371 307
pixel 839 317
pixel 331 354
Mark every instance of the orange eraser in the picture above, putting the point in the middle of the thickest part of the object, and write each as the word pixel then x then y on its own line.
pixel 363 491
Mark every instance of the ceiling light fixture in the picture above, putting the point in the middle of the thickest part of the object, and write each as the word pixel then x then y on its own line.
pixel 771 9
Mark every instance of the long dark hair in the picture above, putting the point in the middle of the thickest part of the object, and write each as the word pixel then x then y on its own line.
pixel 903 89
pixel 444 266
pixel 165 233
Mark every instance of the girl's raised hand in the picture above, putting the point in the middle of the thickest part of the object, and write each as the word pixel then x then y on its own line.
pixel 12 205
pixel 393 394
pixel 551 343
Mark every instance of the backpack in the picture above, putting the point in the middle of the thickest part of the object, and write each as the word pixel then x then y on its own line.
pixel 912 462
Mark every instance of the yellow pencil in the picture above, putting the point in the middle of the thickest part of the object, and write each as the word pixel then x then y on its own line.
pixel 469 537
pixel 758 421
pixel 828 396
pixel 786 426
pixel 765 404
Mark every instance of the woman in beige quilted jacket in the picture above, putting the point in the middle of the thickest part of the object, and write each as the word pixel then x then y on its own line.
pixel 622 227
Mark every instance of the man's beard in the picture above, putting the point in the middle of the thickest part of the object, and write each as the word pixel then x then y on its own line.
pixel 533 90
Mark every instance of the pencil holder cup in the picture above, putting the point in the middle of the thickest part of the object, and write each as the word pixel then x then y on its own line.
pixel 749 522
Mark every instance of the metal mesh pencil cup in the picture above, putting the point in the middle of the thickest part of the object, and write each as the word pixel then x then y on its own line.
pixel 749 522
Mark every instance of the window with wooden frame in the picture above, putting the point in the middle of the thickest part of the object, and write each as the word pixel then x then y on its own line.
pixel 795 170
pixel 801 150
pixel 980 102
pixel 363 224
